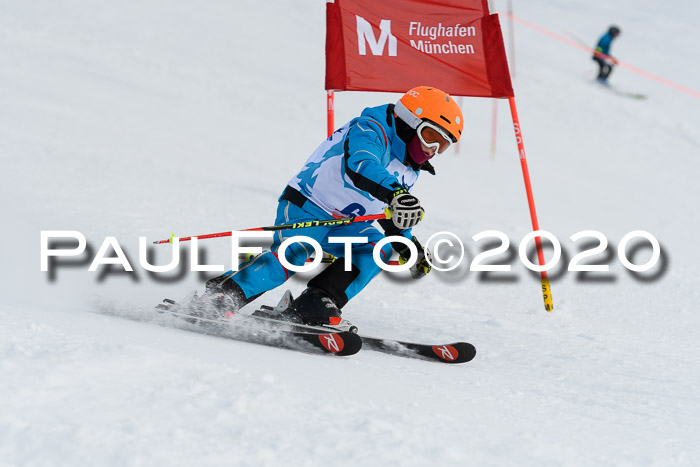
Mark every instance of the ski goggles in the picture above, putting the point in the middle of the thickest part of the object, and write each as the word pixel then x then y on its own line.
pixel 432 136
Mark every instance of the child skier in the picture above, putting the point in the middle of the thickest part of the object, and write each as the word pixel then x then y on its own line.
pixel 602 55
pixel 368 164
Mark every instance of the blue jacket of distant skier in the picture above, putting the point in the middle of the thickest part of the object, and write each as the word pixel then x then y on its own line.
pixel 603 46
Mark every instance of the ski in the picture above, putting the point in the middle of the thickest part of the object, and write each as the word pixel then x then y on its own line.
pixel 631 95
pixel 264 326
pixel 267 332
pixel 457 352
pixel 620 92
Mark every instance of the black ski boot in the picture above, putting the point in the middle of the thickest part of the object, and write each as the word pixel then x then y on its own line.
pixel 222 295
pixel 315 307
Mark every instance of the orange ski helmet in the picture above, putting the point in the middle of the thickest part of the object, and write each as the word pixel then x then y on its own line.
pixel 429 103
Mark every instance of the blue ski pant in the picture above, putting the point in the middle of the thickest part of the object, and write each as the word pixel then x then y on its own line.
pixel 265 272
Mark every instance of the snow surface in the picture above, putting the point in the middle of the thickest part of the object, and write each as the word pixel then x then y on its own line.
pixel 142 118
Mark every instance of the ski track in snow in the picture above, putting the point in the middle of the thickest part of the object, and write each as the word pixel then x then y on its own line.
pixel 157 117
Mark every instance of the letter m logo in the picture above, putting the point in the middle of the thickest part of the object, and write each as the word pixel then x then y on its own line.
pixel 365 35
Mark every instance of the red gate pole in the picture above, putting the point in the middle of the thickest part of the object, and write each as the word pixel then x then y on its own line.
pixel 546 290
pixel 331 111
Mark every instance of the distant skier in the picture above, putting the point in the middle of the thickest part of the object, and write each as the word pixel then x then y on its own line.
pixel 602 55
pixel 370 163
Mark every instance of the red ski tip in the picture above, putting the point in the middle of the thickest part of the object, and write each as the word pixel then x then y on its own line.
pixel 332 342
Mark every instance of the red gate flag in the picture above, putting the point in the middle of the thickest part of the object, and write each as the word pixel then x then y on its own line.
pixel 395 45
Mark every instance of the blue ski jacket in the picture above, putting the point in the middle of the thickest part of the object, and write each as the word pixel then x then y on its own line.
pixel 603 46
pixel 356 170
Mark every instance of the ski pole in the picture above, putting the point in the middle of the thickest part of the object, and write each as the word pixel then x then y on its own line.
pixel 325 260
pixel 296 225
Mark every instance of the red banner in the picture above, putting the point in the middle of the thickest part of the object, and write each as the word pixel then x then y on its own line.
pixel 395 45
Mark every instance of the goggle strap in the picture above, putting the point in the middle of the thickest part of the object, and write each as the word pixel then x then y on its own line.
pixel 406 115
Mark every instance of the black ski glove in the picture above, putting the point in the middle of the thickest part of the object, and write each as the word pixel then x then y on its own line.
pixel 422 266
pixel 405 209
